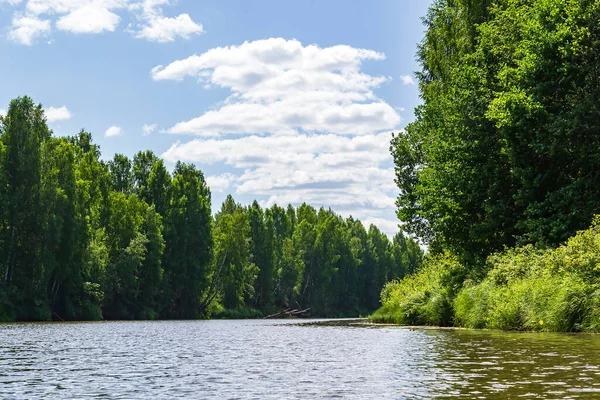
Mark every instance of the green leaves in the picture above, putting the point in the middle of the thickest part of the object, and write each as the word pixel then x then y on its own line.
pixel 81 238
pixel 502 151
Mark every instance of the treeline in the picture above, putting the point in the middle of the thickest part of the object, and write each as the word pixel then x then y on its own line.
pixel 83 239
pixel 503 153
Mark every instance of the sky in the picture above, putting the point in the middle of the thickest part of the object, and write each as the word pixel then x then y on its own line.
pixel 278 101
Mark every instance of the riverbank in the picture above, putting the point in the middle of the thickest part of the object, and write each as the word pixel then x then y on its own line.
pixel 523 289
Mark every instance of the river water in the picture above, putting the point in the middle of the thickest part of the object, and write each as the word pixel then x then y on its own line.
pixel 287 360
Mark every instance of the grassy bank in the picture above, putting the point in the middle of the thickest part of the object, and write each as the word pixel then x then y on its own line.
pixel 524 289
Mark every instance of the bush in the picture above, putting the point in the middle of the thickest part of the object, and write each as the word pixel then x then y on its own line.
pixel 525 289
pixel 424 298
pixel 471 306
pixel 237 313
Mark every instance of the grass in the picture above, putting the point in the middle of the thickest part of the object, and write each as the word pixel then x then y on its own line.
pixel 526 289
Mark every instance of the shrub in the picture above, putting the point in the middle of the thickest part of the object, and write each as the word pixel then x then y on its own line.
pixel 424 298
pixel 525 289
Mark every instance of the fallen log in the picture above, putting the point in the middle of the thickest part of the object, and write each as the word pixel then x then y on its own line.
pixel 287 313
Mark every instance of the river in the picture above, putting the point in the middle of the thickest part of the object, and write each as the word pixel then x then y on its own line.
pixel 286 360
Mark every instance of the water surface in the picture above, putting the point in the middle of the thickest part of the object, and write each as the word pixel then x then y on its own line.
pixel 287 360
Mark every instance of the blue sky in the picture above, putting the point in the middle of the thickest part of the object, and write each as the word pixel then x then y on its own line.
pixel 274 100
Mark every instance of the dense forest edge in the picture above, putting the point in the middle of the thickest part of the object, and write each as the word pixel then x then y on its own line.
pixel 86 239
pixel 499 174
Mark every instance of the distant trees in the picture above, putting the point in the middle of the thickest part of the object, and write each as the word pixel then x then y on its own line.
pixel 305 258
pixel 81 238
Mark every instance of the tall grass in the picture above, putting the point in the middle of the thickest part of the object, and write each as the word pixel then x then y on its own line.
pixel 525 289
pixel 424 298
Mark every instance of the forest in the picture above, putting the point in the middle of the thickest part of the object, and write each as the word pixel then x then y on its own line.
pixel 82 238
pixel 500 171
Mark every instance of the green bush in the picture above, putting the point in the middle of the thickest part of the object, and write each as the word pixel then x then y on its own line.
pixel 471 306
pixel 219 312
pixel 525 289
pixel 424 298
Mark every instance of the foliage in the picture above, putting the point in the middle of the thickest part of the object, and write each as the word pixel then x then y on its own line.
pixel 525 289
pixel 424 298
pixel 503 150
pixel 500 167
pixel 81 238
pixel 551 290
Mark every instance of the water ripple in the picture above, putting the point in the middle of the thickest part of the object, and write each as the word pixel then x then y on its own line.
pixel 283 359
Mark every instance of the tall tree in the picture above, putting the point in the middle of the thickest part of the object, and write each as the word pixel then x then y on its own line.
pixel 261 249
pixel 188 242
pixel 121 174
pixel 23 134
pixel 501 151
pixel 233 266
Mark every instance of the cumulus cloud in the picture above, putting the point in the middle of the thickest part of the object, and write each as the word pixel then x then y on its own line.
pixel 57 114
pixel 97 16
pixel 113 131
pixel 158 28
pixel 407 80
pixel 281 86
pixel 329 170
pixel 220 183
pixel 90 18
pixel 2 112
pixel 25 29
pixel 148 129
pixel 165 29
pixel 308 126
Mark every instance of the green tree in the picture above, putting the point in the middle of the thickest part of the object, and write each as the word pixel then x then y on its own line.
pixel 232 254
pixel 143 163
pixel 121 174
pixel 23 134
pixel 188 243
pixel 261 250
pixel 502 149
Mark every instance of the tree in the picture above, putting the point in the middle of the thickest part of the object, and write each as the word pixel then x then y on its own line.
pixel 143 164
pixel 121 174
pixel 188 243
pixel 232 254
pixel 502 149
pixel 261 250
pixel 58 201
pixel 23 134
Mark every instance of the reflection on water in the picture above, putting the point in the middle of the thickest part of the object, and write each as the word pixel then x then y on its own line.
pixel 284 359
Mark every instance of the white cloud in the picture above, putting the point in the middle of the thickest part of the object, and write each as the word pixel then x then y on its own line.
pixel 148 129
pixel 57 114
pixel 280 86
pixel 156 27
pixel 407 80
pixel 353 173
pixel 97 16
pixel 2 112
pixel 165 29
pixel 91 18
pixel 389 227
pixel 113 131
pixel 25 29
pixel 312 129
pixel 220 183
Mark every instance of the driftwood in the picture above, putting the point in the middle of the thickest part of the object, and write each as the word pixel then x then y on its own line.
pixel 288 313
